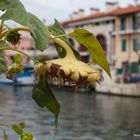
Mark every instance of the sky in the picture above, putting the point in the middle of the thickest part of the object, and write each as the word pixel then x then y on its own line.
pixel 61 9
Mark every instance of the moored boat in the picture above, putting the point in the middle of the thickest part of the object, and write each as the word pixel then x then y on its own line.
pixel 25 78
pixel 5 81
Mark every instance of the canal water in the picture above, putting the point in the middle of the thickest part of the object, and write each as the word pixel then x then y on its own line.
pixel 84 116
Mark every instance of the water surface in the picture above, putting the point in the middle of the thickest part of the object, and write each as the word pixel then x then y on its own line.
pixel 84 116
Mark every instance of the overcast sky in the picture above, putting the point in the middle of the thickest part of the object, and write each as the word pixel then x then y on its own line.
pixel 61 9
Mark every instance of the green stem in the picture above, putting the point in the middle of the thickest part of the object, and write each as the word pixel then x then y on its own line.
pixel 21 29
pixel 3 33
pixel 61 35
pixel 63 44
pixel 12 49
pixel 1 26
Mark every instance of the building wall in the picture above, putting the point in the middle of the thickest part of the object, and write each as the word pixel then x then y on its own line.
pixel 128 34
pixel 104 29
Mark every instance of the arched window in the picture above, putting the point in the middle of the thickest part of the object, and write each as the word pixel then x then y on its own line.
pixel 102 40
pixel 82 48
pixel 71 42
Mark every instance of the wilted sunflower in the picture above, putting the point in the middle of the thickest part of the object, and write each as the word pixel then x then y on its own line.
pixel 13 37
pixel 69 69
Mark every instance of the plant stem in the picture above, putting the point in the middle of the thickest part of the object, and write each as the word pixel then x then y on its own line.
pixel 21 28
pixel 61 35
pixel 3 33
pixel 1 26
pixel 35 61
pixel 12 49
pixel 63 44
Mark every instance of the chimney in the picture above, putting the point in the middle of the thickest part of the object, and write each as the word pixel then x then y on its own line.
pixel 110 6
pixel 94 10
pixel 136 2
pixel 80 13
pixel 73 15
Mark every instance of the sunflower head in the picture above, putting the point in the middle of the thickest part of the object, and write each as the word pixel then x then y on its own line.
pixel 13 37
pixel 70 71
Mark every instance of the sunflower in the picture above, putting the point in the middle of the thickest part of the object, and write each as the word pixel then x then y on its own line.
pixel 69 69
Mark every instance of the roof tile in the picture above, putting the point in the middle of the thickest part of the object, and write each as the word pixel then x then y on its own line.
pixel 117 12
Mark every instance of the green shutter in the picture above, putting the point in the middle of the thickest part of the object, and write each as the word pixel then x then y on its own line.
pixel 123 45
pixel 134 68
pixel 119 71
pixel 135 42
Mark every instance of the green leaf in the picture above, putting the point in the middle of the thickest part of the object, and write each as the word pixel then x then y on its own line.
pixel 18 128
pixel 13 69
pixel 3 65
pixel 14 10
pixel 27 136
pixel 44 97
pixel 17 58
pixel 39 32
pixel 57 30
pixel 22 124
pixel 87 39
pixel 16 68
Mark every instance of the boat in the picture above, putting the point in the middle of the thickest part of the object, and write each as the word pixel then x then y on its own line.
pixel 5 81
pixel 25 78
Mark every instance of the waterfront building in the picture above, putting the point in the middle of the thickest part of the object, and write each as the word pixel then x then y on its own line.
pixel 127 40
pixel 101 24
pixel 118 31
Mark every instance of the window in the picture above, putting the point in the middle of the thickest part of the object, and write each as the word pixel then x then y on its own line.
pixel 97 24
pixel 125 66
pixel 123 23
pixel 72 42
pixel 136 21
pixel 114 26
pixel 119 71
pixel 134 67
pixel 135 44
pixel 123 45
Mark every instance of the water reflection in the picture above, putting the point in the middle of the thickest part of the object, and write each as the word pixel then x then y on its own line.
pixel 83 116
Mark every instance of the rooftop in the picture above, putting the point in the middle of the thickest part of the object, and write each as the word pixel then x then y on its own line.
pixel 117 12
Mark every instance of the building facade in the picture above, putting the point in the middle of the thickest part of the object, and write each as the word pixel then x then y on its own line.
pixel 118 31
pixel 127 40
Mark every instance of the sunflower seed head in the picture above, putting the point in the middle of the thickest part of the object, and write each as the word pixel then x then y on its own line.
pixel 73 72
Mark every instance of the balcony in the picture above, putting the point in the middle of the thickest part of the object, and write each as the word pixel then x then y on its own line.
pixel 125 32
